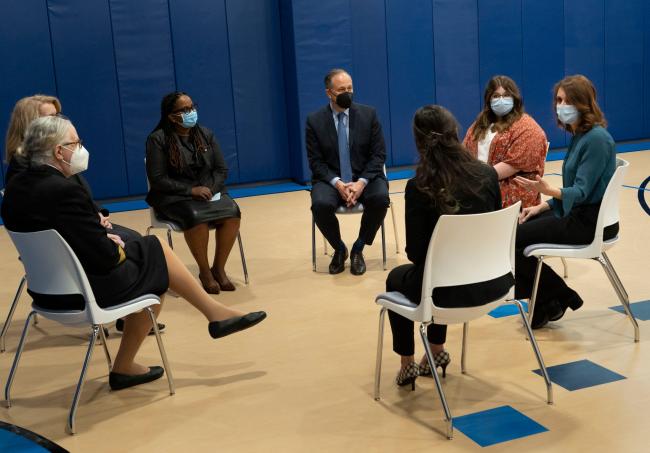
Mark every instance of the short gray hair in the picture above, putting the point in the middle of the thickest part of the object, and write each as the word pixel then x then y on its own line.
pixel 330 75
pixel 42 136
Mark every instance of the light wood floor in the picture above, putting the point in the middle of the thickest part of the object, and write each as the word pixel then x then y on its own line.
pixel 303 379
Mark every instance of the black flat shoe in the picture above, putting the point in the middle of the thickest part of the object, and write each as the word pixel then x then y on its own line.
pixel 220 329
pixel 337 265
pixel 119 381
pixel 119 326
pixel 573 301
pixel 540 318
pixel 357 263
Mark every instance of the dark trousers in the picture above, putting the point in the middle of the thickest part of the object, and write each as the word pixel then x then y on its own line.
pixel 577 228
pixel 325 199
pixel 407 279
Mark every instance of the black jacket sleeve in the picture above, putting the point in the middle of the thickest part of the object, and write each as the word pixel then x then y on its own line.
pixel 375 165
pixel 157 168
pixel 420 221
pixel 79 224
pixel 320 171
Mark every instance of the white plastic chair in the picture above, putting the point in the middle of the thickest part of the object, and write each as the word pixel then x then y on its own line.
pixel 157 222
pixel 464 249
pixel 52 268
pixel 607 215
pixel 356 209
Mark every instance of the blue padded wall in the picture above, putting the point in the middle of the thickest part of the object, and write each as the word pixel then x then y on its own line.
pixel 455 28
pixel 624 68
pixel 145 72
pixel 584 25
pixel 370 62
pixel 87 88
pixel 646 70
pixel 321 33
pixel 26 54
pixel 500 41
pixel 411 77
pixel 543 62
pixel 256 68
pixel 258 89
pixel 202 61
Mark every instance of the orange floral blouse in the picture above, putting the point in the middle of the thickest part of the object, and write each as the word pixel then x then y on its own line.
pixel 522 146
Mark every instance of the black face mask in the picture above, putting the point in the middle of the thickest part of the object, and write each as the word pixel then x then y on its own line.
pixel 344 100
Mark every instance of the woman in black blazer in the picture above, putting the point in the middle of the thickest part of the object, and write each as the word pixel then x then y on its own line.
pixel 448 180
pixel 43 197
pixel 187 172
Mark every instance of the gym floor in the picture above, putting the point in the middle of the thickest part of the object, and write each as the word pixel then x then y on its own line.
pixel 303 379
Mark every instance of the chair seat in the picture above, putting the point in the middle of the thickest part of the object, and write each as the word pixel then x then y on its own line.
pixel 107 315
pixel 356 209
pixel 157 222
pixel 566 250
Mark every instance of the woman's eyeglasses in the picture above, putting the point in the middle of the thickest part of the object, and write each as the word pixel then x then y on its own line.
pixel 186 109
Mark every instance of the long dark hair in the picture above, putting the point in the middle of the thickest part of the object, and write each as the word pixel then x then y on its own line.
pixel 196 138
pixel 581 93
pixel 488 117
pixel 446 170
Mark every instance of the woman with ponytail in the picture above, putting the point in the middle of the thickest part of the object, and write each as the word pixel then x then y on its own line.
pixel 187 173
pixel 448 180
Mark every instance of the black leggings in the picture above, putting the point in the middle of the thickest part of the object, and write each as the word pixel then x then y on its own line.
pixel 577 228
pixel 407 279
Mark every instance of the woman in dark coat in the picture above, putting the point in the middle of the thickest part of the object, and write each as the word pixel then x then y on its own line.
pixel 187 172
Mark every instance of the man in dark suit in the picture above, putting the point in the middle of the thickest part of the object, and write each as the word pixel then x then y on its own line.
pixel 346 152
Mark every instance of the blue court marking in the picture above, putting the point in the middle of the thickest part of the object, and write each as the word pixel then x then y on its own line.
pixel 401 174
pixel 640 310
pixel 508 310
pixel 581 374
pixel 497 425
pixel 15 443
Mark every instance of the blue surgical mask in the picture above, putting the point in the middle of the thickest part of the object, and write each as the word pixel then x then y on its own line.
pixel 501 106
pixel 190 119
pixel 567 114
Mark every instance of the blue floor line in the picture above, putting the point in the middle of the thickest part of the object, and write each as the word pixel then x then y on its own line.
pixel 243 192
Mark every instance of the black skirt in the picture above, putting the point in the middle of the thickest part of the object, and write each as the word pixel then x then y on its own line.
pixel 144 271
pixel 190 213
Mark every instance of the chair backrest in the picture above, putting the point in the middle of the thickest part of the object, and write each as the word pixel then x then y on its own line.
pixel 52 267
pixel 608 213
pixel 470 248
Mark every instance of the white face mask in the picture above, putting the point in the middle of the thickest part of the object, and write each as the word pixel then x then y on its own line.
pixel 78 161
pixel 568 114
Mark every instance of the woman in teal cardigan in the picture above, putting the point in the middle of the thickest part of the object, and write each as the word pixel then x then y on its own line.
pixel 570 215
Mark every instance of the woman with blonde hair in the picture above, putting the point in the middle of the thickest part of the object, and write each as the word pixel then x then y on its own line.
pixel 25 111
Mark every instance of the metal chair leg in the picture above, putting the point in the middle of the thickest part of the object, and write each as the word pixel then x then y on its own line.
pixel 620 292
pixel 163 354
pixel 102 335
pixel 383 244
pixel 566 267
pixel 71 427
pixel 538 354
pixel 380 349
pixel 10 315
pixel 313 243
pixel 243 257
pixel 533 296
pixel 169 239
pixel 427 349
pixel 14 366
pixel 392 215
pixel 463 354
pixel 148 232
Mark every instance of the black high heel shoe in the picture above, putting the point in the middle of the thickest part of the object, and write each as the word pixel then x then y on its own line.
pixel 440 359
pixel 408 375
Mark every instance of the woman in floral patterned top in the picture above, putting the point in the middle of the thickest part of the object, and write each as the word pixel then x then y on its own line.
pixel 508 139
